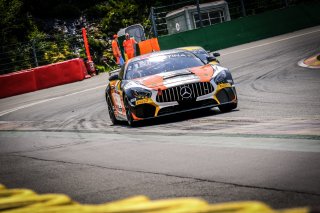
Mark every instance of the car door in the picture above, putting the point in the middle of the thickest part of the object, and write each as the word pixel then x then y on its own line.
pixel 117 96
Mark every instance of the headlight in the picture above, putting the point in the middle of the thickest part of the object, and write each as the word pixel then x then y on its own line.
pixel 140 93
pixel 223 77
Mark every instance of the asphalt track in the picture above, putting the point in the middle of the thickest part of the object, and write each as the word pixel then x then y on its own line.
pixel 61 139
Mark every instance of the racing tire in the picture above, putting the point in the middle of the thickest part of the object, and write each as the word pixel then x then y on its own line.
pixel 130 120
pixel 111 111
pixel 228 107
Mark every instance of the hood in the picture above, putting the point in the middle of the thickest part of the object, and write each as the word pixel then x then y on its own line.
pixel 174 78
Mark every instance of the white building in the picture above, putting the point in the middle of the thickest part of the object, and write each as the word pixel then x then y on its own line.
pixel 187 18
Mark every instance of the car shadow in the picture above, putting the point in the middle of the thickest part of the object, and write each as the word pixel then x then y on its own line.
pixel 179 117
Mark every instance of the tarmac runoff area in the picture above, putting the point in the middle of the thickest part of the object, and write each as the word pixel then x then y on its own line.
pixel 61 139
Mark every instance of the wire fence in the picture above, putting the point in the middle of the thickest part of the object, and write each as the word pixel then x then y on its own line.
pixel 63 46
pixel 55 48
pixel 41 51
pixel 162 25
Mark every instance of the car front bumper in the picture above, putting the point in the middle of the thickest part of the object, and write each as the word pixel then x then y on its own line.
pixel 149 108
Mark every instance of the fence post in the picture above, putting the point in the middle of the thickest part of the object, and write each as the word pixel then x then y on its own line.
pixel 243 9
pixel 154 25
pixel 199 13
pixel 34 52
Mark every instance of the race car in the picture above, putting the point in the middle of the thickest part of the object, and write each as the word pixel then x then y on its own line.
pixel 168 82
pixel 202 54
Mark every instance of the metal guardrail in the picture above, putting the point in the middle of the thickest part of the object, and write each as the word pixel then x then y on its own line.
pixel 114 72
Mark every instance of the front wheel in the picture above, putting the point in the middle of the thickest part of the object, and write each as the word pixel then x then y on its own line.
pixel 111 111
pixel 129 113
pixel 228 107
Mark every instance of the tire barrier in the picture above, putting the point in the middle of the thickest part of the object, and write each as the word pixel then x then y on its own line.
pixel 42 77
pixel 25 201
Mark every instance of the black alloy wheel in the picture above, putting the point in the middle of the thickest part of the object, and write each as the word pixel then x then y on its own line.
pixel 128 112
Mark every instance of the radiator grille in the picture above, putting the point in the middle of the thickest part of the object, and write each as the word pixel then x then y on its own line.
pixel 185 92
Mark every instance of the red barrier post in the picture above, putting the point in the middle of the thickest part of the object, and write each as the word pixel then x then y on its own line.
pixel 90 63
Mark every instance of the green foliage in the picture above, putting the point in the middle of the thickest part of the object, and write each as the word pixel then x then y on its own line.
pixel 66 11
pixel 97 47
pixel 98 11
pixel 113 15
pixel 14 22
pixel 24 25
pixel 120 14
pixel 14 26
pixel 56 53
pixel 102 68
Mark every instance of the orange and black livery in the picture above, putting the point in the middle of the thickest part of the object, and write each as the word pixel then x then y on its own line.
pixel 168 82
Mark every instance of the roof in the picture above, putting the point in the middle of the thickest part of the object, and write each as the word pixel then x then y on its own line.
pixel 123 31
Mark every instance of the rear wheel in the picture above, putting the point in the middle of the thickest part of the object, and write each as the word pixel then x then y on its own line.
pixel 228 107
pixel 111 111
pixel 128 113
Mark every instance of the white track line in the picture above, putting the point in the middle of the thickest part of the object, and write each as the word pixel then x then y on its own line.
pixel 47 100
pixel 272 42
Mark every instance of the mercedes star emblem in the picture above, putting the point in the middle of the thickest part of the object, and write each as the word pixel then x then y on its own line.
pixel 185 92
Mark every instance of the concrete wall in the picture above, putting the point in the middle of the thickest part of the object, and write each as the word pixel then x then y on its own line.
pixel 42 77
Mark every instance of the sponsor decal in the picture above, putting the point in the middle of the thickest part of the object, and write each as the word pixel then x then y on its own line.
pixel 133 100
pixel 178 27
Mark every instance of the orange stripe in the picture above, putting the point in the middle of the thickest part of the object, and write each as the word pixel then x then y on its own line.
pixel 204 73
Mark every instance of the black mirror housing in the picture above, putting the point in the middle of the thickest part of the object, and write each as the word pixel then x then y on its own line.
pixel 211 58
pixel 216 54
pixel 114 77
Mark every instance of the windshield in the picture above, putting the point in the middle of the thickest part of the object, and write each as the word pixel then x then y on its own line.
pixel 202 54
pixel 161 63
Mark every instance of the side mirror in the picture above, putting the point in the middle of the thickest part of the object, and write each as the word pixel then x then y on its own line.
pixel 216 54
pixel 114 77
pixel 211 58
